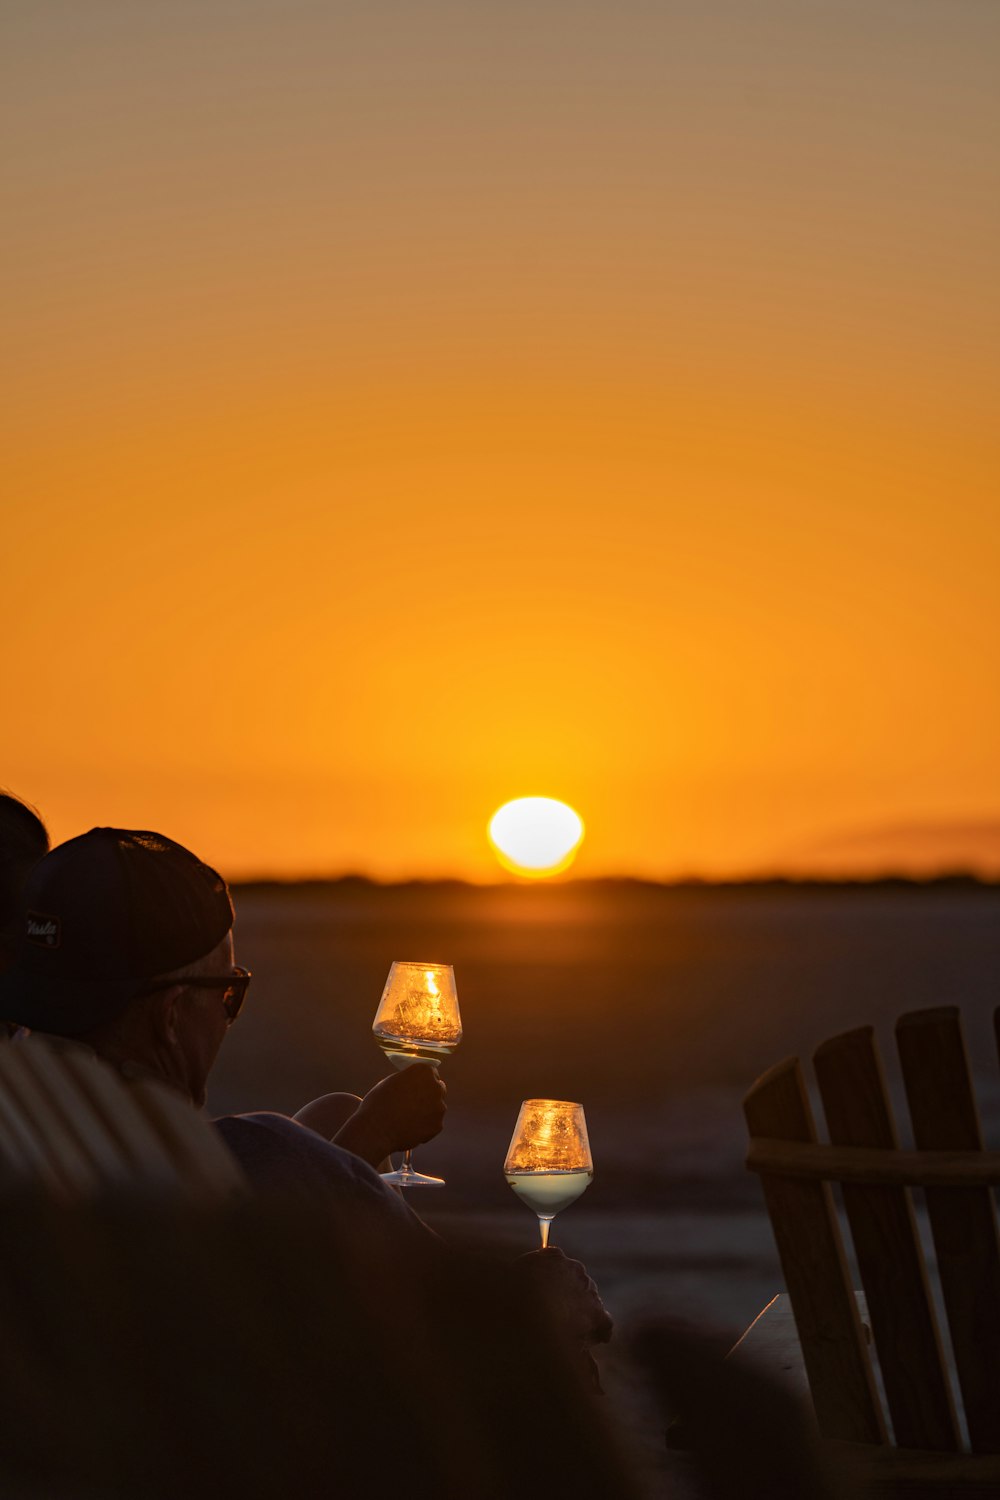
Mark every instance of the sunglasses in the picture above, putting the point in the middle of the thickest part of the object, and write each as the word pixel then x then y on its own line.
pixel 234 988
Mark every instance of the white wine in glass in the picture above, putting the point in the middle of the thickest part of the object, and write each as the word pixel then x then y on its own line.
pixel 417 1021
pixel 549 1162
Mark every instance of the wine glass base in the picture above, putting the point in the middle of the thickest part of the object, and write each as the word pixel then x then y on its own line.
pixel 404 1179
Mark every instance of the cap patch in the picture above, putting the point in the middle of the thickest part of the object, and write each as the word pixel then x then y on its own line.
pixel 43 930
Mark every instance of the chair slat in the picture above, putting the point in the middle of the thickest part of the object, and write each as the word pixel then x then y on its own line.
pixel 858 1113
pixel 812 1259
pixel 23 1154
pixel 149 1160
pixel 872 1167
pixel 963 1220
pixel 203 1159
pixel 72 1125
pixel 89 1127
pixel 26 1100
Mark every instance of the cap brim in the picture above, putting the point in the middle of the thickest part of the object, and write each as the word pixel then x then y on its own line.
pixel 65 1007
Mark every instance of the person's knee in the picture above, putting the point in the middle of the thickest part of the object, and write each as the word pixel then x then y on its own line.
pixel 328 1113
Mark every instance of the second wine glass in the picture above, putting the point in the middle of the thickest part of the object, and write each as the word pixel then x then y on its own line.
pixel 549 1162
pixel 417 1021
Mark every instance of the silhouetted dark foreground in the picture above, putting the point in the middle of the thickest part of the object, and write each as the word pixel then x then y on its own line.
pixel 262 1351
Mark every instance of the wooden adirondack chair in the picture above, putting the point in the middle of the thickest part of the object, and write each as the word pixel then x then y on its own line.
pixel 71 1126
pixel 944 1436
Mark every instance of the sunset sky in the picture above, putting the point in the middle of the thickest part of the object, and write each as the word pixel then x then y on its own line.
pixel 412 407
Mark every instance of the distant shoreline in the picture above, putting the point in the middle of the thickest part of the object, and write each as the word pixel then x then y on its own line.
pixel 957 881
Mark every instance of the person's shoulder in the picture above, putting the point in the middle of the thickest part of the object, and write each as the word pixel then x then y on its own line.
pixel 271 1134
pixel 278 1152
pixel 269 1124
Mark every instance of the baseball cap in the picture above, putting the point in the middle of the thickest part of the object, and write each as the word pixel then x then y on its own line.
pixel 107 912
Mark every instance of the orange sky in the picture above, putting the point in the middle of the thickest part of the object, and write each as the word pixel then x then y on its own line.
pixel 409 408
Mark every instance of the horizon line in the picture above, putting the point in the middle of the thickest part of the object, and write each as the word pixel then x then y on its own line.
pixel 958 877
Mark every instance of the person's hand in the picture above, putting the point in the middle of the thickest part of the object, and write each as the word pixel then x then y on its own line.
pixel 570 1294
pixel 575 1303
pixel 404 1110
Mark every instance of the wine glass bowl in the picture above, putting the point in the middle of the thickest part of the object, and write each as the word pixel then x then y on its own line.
pixel 417 1021
pixel 549 1163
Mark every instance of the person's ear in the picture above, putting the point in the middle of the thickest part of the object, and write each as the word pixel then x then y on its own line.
pixel 166 1016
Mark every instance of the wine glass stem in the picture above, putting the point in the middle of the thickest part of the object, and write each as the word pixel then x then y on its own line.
pixel 407 1165
pixel 543 1224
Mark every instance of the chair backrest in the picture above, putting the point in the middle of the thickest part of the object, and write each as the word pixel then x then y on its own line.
pixel 71 1126
pixel 957 1176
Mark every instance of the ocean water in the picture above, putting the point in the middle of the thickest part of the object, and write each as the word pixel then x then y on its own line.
pixel 655 1007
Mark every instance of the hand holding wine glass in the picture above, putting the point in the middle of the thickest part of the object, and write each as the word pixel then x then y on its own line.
pixel 417 1021
pixel 549 1162
pixel 402 1110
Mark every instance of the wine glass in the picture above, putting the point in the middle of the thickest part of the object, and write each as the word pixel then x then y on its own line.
pixel 417 1021
pixel 549 1162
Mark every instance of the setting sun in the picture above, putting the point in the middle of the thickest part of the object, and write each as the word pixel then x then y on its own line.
pixel 536 836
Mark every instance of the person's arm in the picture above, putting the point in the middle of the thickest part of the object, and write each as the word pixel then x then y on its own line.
pixel 327 1114
pixel 405 1109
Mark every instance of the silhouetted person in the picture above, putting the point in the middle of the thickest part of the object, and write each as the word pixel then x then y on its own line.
pixel 23 842
pixel 127 947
